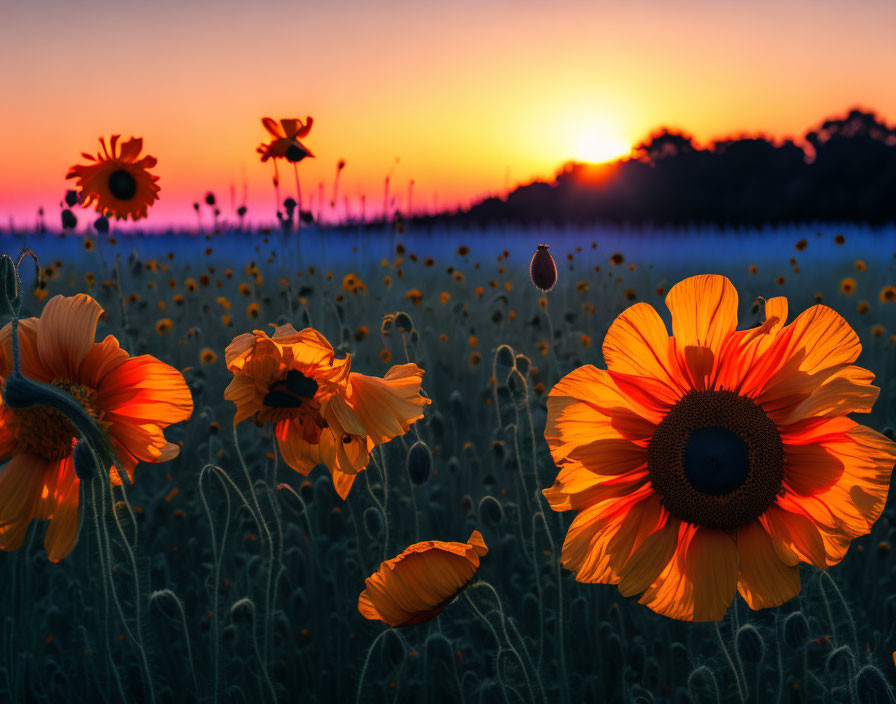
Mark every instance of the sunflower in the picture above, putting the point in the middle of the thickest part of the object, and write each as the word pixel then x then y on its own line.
pixel 322 411
pixel 717 459
pixel 118 182
pixel 286 144
pixel 419 583
pixel 131 398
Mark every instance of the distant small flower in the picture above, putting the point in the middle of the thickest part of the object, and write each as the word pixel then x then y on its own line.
pixel 848 286
pixel 163 326
pixel 414 295
pixel 840 239
pixel 208 356
pixel 419 583
pixel 119 183
pixel 861 266
pixel 888 294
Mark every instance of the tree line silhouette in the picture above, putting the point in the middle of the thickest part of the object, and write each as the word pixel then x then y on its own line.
pixel 845 170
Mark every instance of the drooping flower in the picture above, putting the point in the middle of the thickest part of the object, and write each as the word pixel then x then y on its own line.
pixel 717 459
pixel 286 144
pixel 118 182
pixel 131 399
pixel 419 583
pixel 322 411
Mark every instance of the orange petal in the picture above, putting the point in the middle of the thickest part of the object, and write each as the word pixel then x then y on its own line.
pixel 342 482
pixel 417 584
pixel 243 392
pixel 810 431
pixel 704 313
pixel 146 389
pixel 387 407
pixel 65 333
pixel 848 390
pixel 62 510
pixel 810 469
pixel 576 488
pixel 299 454
pixel 712 567
pixel 587 405
pixel 818 343
pixel 764 579
pixel 794 536
pixel 776 308
pixel 21 484
pixel 271 126
pixel 699 582
pixel 102 358
pixel 130 150
pixel 236 352
pixel 649 559
pixel 601 537
pixel 638 343
pixel 609 457
pixel 850 507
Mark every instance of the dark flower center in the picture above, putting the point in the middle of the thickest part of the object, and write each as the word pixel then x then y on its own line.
pixel 291 391
pixel 295 153
pixel 716 459
pixel 122 185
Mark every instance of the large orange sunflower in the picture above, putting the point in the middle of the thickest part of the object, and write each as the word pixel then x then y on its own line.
pixel 419 583
pixel 321 410
pixel 717 459
pixel 131 398
pixel 118 182
pixel 286 144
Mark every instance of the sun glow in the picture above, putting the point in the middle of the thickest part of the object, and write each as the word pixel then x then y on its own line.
pixel 596 145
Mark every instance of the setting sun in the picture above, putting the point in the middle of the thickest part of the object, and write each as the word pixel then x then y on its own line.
pixel 599 145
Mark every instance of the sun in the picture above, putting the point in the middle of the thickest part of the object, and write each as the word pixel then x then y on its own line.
pixel 595 145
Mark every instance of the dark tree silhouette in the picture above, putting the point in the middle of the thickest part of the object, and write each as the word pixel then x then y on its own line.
pixel 844 170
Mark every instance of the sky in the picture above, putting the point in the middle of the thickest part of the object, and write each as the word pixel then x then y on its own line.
pixel 465 98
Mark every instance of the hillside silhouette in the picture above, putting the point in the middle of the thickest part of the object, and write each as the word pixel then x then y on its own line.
pixel 843 170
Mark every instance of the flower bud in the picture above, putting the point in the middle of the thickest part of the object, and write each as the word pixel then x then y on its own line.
pixel 542 269
pixel 83 460
pixel 10 295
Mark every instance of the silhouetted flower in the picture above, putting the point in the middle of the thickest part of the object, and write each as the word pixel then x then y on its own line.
pixel 118 182
pixel 286 144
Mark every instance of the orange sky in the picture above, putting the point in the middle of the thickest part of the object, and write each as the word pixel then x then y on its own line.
pixel 465 95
